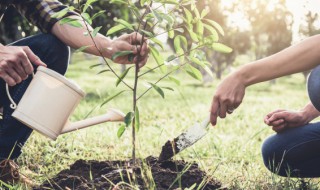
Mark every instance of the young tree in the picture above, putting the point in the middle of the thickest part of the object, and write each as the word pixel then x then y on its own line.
pixel 154 19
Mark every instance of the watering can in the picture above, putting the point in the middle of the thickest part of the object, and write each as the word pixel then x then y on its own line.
pixel 49 101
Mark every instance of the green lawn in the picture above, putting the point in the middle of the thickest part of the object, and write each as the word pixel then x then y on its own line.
pixel 230 152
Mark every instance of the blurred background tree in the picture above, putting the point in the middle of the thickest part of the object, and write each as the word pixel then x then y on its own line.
pixel 253 28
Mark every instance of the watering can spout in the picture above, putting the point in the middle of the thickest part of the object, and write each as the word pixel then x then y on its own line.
pixel 111 115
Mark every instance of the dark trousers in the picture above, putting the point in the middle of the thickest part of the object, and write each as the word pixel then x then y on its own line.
pixel 296 152
pixel 14 134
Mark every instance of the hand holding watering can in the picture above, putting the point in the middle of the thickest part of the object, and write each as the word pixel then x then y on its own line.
pixel 48 103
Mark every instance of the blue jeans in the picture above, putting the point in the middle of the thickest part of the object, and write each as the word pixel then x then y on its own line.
pixel 296 152
pixel 14 134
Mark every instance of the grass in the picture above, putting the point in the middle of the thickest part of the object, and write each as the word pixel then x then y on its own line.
pixel 230 152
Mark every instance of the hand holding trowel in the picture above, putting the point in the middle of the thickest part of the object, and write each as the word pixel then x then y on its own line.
pixel 184 140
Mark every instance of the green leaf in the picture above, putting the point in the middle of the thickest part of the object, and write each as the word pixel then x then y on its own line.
pixel 214 34
pixel 98 14
pixel 168 88
pixel 200 28
pixel 112 97
pixel 193 35
pixel 158 42
pixel 158 89
pixel 124 74
pixel 103 71
pixel 128 118
pixel 168 18
pixel 137 119
pixel 115 29
pixel 196 12
pixel 125 23
pixel 180 42
pixel 188 14
pixel 121 130
pixel 175 80
pixel 95 65
pixel 216 25
pixel 81 49
pixel 118 1
pixel 156 55
pixel 71 21
pixel 221 48
pixel 204 12
pixel 61 13
pixel 88 4
pixel 171 58
pixel 193 72
pixel 147 33
pixel 86 17
pixel 173 2
pixel 95 31
pixel 201 64
pixel 171 33
pixel 120 53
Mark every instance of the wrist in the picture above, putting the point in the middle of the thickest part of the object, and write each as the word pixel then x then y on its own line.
pixel 243 75
pixel 105 46
pixel 309 112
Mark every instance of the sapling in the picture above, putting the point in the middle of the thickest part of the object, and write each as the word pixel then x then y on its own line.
pixel 155 20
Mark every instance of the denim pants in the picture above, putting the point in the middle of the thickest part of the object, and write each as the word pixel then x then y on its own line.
pixel 296 152
pixel 14 134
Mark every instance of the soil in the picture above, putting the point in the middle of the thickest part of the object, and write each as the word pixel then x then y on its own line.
pixel 84 175
pixel 169 149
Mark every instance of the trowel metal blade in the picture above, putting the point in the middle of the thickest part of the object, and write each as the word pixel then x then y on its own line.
pixel 184 140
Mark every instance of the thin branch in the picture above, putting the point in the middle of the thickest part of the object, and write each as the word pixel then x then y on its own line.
pixel 163 77
pixel 101 54
pixel 185 53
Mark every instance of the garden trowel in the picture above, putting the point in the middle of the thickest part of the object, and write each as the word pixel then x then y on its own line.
pixel 184 140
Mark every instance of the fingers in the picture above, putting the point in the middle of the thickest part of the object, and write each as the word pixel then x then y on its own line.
pixel 8 79
pixel 214 111
pixel 136 38
pixel 33 58
pixel 275 111
pixel 15 64
pixel 279 128
pixel 277 116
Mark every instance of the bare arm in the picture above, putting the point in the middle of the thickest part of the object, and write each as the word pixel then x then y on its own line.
pixel 75 38
pixel 297 58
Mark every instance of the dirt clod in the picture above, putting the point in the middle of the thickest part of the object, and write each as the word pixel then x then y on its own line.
pixel 150 174
pixel 169 149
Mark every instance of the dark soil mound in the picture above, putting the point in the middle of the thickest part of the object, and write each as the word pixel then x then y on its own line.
pixel 151 174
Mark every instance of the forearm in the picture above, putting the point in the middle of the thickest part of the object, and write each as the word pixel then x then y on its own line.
pixel 75 38
pixel 310 112
pixel 300 57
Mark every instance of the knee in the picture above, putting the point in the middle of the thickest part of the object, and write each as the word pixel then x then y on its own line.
pixel 313 86
pixel 274 156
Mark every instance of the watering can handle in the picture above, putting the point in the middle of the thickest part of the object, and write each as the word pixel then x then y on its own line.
pixel 13 105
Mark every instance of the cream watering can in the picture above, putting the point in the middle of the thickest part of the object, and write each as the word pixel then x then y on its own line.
pixel 49 101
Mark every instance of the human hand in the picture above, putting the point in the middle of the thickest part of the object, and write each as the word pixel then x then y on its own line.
pixel 281 120
pixel 227 98
pixel 15 63
pixel 131 42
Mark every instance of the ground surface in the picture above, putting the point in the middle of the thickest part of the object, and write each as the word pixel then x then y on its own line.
pixel 231 151
pixel 151 174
